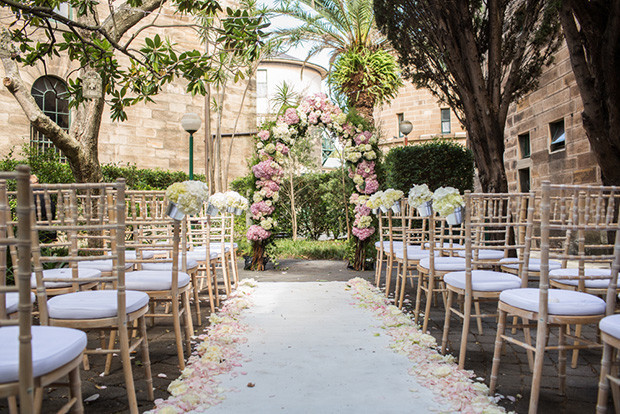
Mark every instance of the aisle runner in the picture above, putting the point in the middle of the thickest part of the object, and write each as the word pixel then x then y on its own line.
pixel 319 347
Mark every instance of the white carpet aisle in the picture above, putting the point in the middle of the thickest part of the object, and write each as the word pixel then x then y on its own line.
pixel 312 351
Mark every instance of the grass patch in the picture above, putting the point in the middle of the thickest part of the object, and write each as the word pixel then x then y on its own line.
pixel 311 249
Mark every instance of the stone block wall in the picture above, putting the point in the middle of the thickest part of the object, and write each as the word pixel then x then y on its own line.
pixel 556 98
pixel 419 107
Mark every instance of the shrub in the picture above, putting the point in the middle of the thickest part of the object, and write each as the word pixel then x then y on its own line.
pixel 436 163
pixel 311 249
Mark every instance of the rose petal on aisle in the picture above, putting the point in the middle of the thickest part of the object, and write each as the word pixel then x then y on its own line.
pixel 452 386
pixel 198 387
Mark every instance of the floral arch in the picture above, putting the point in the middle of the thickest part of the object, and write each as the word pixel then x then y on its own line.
pixel 272 145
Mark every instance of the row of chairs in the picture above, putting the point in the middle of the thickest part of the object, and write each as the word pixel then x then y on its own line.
pixel 143 259
pixel 548 259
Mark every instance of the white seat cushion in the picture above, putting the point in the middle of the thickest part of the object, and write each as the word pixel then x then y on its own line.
pixel 52 347
pixel 484 280
pixel 153 280
pixel 12 298
pixel 201 256
pixel 560 302
pixel 444 264
pixel 132 254
pixel 104 265
pixel 168 265
pixel 485 254
pixel 610 325
pixel 589 283
pixel 386 245
pixel 93 304
pixel 446 245
pixel 413 253
pixel 65 272
pixel 533 266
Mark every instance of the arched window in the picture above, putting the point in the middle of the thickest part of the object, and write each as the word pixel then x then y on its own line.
pixel 50 93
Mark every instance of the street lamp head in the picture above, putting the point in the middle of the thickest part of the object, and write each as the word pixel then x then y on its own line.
pixel 405 127
pixel 191 122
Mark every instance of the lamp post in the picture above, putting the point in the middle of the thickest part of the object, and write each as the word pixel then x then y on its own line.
pixel 405 128
pixel 191 123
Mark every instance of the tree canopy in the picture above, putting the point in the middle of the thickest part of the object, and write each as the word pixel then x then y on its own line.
pixel 478 57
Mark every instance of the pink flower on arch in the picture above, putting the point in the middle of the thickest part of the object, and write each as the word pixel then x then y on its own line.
pixel 363 234
pixel 291 117
pixel 264 135
pixel 257 233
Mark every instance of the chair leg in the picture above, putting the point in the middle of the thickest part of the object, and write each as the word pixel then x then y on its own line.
pixel 497 352
pixel 209 281
pixel 379 261
pixel 446 323
pixel 418 297
pixel 403 285
pixel 196 298
pixel 146 359
pixel 396 283
pixel 225 274
pixel 109 356
pixel 429 299
pixel 562 360
pixel 177 331
pixel 189 326
pixel 465 332
pixel 388 274
pixel 541 340
pixel 123 339
pixel 528 340
pixel 478 319
pixel 13 405
pixel 38 400
pixel 75 390
pixel 576 351
pixel 603 382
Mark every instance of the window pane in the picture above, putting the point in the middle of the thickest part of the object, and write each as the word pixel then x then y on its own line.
pixel 50 94
pixel 399 118
pixel 557 135
pixel 445 121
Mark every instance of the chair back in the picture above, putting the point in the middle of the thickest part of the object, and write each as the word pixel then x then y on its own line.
pixel 21 244
pixel 92 216
pixel 500 222
pixel 587 218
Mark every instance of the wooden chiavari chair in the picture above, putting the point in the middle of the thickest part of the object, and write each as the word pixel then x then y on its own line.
pixel 96 221
pixel 491 222
pixel 32 357
pixel 563 209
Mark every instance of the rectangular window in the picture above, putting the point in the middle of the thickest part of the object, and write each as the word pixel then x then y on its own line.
pixel 557 135
pixel 524 180
pixel 399 118
pixel 445 121
pixel 524 145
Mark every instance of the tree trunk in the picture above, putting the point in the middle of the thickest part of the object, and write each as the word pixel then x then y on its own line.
pixel 487 143
pixel 258 256
pixel 360 254
pixel 591 31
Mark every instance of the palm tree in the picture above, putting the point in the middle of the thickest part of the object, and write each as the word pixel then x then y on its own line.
pixel 365 70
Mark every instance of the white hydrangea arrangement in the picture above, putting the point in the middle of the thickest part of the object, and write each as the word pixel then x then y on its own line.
pixel 446 200
pixel 419 194
pixel 189 196
pixel 375 200
pixel 391 196
pixel 218 200
pixel 236 200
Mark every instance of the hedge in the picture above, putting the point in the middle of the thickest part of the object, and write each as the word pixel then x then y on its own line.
pixel 49 169
pixel 436 163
